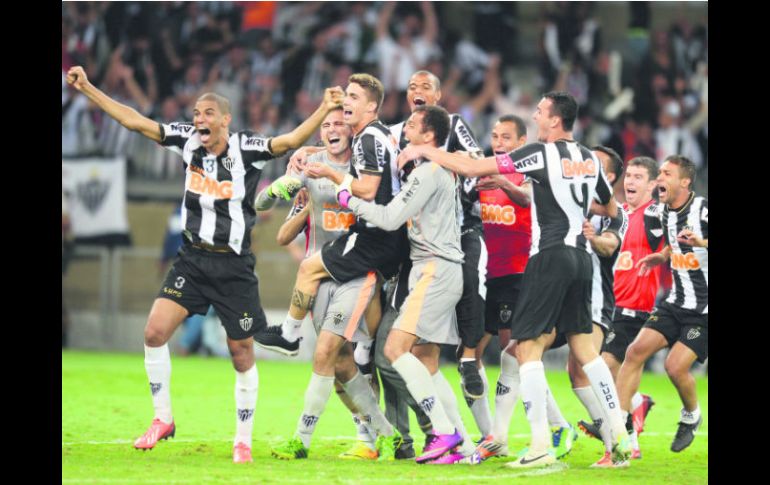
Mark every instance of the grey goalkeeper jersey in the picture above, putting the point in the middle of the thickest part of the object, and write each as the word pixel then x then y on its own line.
pixel 327 220
pixel 429 205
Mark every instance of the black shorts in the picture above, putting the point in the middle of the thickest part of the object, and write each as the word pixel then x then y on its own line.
pixel 470 308
pixel 200 278
pixel 502 295
pixel 679 325
pixel 561 338
pixel 626 325
pixel 354 254
pixel 555 292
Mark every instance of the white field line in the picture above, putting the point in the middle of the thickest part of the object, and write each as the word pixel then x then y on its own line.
pixel 320 438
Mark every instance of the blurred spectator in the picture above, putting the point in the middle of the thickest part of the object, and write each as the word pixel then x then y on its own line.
pixel 77 128
pixel 410 50
pixel 189 88
pixel 673 139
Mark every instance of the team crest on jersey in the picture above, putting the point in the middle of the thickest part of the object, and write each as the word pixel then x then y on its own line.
pixel 693 333
pixel 246 322
pixel 228 163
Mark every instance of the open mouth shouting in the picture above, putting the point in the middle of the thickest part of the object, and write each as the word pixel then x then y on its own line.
pixel 205 134
pixel 334 142
pixel 418 100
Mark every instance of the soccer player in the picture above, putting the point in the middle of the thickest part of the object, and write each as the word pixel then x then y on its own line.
pixel 341 310
pixel 424 88
pixel 215 266
pixel 680 322
pixel 604 235
pixel 634 294
pixel 365 247
pixel 505 201
pixel 428 201
pixel 556 287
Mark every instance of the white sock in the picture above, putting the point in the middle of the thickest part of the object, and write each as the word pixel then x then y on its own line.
pixel 555 418
pixel 596 411
pixel 361 394
pixel 480 407
pixel 534 388
pixel 506 395
pixel 246 386
pixel 449 401
pixel 690 417
pixel 316 396
pixel 636 401
pixel 364 434
pixel 290 328
pixel 362 354
pixel 467 359
pixel 422 389
pixel 157 363
pixel 604 387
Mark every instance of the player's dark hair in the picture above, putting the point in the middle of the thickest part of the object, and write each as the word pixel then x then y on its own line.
pixel 521 128
pixel 433 78
pixel 686 167
pixel 435 119
pixel 222 102
pixel 616 163
pixel 645 162
pixel 565 106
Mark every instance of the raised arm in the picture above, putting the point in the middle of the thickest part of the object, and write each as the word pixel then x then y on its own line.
pixel 125 115
pixel 364 187
pixel 431 23
pixel 455 162
pixel 290 229
pixel 294 139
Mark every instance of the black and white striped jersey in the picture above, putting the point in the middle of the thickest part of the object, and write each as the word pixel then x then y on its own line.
pixel 602 296
pixel 565 177
pixel 218 205
pixel 689 265
pixel 460 138
pixel 374 153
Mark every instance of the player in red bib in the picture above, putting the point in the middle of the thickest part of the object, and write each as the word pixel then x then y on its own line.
pixel 634 294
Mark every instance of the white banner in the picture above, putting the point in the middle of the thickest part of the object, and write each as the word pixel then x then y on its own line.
pixel 96 189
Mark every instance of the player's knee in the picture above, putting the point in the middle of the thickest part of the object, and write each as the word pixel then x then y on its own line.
pixel 392 352
pixel 154 336
pixel 676 370
pixel 635 354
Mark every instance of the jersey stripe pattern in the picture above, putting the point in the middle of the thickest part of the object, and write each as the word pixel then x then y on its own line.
pixel 218 205
pixel 565 177
pixel 602 296
pixel 689 265
pixel 374 153
pixel 461 138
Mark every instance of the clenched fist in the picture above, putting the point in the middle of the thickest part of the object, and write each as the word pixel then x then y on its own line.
pixel 76 76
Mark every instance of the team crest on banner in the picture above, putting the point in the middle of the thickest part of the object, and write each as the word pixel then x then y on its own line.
pixel 228 163
pixel 92 193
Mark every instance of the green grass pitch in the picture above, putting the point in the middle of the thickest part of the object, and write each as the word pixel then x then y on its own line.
pixel 106 404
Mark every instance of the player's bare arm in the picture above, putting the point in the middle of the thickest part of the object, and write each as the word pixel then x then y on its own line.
pixel 686 236
pixel 290 229
pixel 294 139
pixel 459 164
pixel 604 244
pixel 125 115
pixel 519 194
pixel 648 262
pixel 363 188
